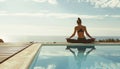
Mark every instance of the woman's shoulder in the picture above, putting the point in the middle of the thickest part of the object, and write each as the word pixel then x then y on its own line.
pixel 80 26
pixel 76 27
pixel 83 26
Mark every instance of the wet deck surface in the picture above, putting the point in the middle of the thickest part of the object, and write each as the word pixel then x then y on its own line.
pixel 7 51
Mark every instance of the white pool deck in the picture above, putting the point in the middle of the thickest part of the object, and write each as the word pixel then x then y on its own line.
pixel 23 59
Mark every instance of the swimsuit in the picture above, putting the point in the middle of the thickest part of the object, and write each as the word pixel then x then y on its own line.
pixel 80 30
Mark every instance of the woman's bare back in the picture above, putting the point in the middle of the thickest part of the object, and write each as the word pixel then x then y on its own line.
pixel 80 31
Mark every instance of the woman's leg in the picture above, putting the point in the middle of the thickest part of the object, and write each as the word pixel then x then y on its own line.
pixel 89 40
pixel 72 41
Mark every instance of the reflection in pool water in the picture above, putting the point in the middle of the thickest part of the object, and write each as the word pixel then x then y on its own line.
pixel 81 55
pixel 57 57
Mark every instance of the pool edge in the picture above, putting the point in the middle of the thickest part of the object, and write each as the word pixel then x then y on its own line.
pixel 23 59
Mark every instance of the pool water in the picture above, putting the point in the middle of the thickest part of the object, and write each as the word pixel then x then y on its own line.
pixel 58 57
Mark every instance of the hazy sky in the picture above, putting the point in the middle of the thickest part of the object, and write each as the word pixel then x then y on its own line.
pixel 58 17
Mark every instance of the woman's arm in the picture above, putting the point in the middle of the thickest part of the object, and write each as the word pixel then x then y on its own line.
pixel 73 33
pixel 87 33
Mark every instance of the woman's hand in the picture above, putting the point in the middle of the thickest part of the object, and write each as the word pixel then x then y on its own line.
pixel 93 39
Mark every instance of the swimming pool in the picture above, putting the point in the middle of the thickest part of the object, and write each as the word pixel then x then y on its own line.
pixel 58 57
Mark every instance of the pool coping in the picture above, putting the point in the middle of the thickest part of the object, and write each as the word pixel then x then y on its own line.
pixel 22 59
pixel 81 44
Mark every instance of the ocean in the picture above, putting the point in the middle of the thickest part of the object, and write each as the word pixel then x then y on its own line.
pixel 29 38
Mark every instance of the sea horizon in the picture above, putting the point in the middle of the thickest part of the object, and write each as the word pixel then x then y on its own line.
pixel 45 38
